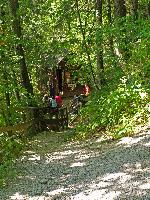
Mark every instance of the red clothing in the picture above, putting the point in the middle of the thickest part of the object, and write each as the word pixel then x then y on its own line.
pixel 86 90
pixel 58 101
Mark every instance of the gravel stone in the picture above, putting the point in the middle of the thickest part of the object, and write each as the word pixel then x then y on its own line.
pixel 54 169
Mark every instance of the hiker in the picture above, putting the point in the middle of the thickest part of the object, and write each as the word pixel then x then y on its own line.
pixel 53 103
pixel 46 100
pixel 58 100
pixel 86 90
pixel 75 105
pixel 75 99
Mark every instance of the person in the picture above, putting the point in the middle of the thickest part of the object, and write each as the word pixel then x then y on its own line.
pixel 58 100
pixel 46 100
pixel 86 90
pixel 53 103
pixel 75 105
pixel 75 100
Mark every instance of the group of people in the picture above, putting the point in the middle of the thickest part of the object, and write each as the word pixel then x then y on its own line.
pixel 53 101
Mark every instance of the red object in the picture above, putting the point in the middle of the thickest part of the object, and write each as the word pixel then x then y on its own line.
pixel 86 90
pixel 58 100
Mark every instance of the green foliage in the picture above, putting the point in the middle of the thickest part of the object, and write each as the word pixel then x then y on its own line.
pixel 117 111
pixel 6 172
pixel 9 146
pixel 49 28
pixel 10 149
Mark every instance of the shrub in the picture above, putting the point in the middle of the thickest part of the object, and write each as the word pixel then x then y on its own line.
pixel 10 148
pixel 116 111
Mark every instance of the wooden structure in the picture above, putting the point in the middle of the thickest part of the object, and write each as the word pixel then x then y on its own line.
pixel 37 119
pixel 46 117
pixel 65 78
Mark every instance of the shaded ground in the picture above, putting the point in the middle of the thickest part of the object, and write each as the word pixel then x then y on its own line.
pixel 54 169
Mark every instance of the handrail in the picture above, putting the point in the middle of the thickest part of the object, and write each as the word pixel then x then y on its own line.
pixel 35 118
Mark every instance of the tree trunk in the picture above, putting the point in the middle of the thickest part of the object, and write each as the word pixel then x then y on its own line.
pixel 148 9
pixel 85 45
pixel 100 63
pixel 135 8
pixel 14 6
pixel 109 15
pixel 120 8
pixel 7 98
pixel 5 77
pixel 122 40
pixel 17 94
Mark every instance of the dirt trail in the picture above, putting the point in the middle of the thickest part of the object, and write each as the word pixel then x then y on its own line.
pixel 54 169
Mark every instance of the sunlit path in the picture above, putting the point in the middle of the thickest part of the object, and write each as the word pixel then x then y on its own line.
pixel 54 169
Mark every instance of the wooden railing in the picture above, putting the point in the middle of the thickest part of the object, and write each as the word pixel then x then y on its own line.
pixel 43 117
pixel 37 119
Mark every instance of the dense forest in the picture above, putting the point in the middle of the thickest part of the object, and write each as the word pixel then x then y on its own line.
pixel 109 40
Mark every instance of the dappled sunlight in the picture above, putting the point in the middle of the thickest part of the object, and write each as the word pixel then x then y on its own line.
pixel 115 176
pixel 29 152
pixel 112 186
pixel 82 156
pixel 78 164
pixel 128 141
pixel 137 167
pixel 51 157
pixel 90 171
pixel 56 192
pixel 33 157
pixel 147 144
pixel 142 138
pixel 143 130
pixel 102 139
pixel 65 153
pixel 19 196
pixel 145 186
pixel 106 186
pixel 133 167
pixel 78 155
pixel 97 194
pixel 28 177
pixel 99 184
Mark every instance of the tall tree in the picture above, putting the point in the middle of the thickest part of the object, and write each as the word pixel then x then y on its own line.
pixel 148 9
pixel 120 16
pixel 100 63
pixel 120 8
pixel 109 15
pixel 14 7
pixel 135 8
pixel 4 72
pixel 85 45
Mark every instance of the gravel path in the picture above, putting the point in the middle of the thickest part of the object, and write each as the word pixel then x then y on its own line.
pixel 56 170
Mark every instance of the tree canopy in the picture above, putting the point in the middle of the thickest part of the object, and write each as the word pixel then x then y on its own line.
pixel 109 40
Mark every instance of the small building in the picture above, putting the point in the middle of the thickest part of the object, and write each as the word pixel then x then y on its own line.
pixel 65 78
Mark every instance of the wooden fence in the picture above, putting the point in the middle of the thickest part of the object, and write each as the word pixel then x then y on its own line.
pixel 38 119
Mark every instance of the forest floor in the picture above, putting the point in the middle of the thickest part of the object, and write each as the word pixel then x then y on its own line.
pixel 52 168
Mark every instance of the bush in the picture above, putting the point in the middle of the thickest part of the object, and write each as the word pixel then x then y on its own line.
pixel 116 111
pixel 10 148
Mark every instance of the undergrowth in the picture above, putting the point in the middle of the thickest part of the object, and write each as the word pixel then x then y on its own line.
pixel 10 149
pixel 116 112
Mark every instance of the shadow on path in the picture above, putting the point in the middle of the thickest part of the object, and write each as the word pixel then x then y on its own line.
pixel 54 169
